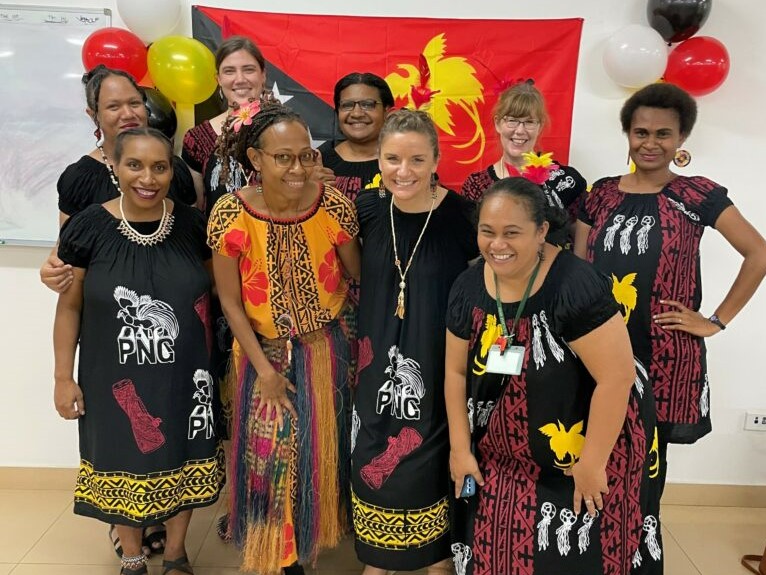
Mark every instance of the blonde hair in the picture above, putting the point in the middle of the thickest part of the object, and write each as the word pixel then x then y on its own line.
pixel 520 100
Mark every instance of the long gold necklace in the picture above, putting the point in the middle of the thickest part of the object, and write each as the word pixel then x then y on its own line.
pixel 403 274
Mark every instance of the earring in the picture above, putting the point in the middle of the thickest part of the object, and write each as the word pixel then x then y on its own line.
pixel 682 158
pixel 258 185
pixel 433 186
pixel 381 189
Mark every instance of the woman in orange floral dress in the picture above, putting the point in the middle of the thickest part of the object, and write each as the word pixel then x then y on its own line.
pixel 279 251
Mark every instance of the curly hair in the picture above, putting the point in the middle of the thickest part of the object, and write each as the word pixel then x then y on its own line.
pixel 520 100
pixel 231 144
pixel 94 78
pixel 664 96
pixel 405 120
pixel 367 79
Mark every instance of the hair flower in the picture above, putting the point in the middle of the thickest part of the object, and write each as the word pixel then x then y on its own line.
pixel 243 116
pixel 538 167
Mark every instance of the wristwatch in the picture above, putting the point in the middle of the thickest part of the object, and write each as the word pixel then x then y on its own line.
pixel 714 319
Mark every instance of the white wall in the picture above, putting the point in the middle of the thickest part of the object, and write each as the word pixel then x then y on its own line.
pixel 727 146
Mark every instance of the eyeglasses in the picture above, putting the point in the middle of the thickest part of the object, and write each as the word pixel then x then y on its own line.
pixel 513 123
pixel 307 159
pixel 364 105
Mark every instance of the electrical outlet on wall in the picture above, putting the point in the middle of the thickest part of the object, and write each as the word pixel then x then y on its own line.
pixel 755 421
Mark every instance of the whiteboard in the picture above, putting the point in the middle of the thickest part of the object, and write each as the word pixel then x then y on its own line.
pixel 43 125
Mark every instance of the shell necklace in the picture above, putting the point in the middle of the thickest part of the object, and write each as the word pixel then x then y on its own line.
pixel 397 262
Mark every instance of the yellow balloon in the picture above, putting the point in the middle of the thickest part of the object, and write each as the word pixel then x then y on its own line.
pixel 182 68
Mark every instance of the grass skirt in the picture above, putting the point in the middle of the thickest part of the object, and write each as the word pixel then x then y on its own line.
pixel 290 487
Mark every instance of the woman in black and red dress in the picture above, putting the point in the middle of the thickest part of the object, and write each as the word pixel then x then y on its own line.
pixel 555 429
pixel 643 230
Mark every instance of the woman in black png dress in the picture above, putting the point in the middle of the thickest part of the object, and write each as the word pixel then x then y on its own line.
pixel 546 411
pixel 416 238
pixel 139 310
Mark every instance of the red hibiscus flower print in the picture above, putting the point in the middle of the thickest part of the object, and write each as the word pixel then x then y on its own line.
pixel 342 238
pixel 235 243
pixel 255 283
pixel 329 272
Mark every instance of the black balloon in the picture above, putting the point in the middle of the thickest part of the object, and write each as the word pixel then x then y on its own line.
pixel 162 116
pixel 677 20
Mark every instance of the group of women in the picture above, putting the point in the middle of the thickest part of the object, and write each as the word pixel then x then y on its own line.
pixel 433 371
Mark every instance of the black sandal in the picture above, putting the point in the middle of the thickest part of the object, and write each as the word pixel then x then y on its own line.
pixel 181 564
pixel 147 544
pixel 222 528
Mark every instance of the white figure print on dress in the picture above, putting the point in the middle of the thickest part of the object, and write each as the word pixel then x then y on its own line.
pixel 568 519
pixel 637 559
pixel 469 406
pixel 548 512
pixel 682 208
pixel 647 223
pixel 583 533
pixel 356 423
pixel 201 418
pixel 641 376
pixel 538 353
pixel 565 184
pixel 404 389
pixel 553 345
pixel 705 398
pixel 461 556
pixel 625 234
pixel 611 231
pixel 150 329
pixel 552 197
pixel 650 526
pixel 236 175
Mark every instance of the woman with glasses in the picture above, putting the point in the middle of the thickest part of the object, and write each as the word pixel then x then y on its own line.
pixel 520 117
pixel 280 250
pixel 362 101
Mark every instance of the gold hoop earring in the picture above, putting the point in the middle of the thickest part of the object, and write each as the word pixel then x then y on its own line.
pixel 682 158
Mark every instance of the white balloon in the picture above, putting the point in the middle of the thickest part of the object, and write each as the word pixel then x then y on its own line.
pixel 635 56
pixel 150 19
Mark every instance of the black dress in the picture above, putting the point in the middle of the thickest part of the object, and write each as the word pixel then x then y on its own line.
pixel 87 182
pixel 148 447
pixel 400 444
pixel 350 177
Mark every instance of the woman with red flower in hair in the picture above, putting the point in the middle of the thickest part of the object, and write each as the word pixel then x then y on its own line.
pixel 280 248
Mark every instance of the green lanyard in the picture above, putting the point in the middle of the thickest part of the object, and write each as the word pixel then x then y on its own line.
pixel 508 337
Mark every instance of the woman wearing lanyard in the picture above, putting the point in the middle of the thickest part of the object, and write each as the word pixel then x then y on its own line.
pixel 546 402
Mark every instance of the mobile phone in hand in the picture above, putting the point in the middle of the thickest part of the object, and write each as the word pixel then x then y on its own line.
pixel 469 486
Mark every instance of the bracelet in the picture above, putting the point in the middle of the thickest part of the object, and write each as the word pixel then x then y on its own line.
pixel 714 319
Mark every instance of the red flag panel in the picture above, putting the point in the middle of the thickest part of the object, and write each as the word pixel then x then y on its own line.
pixel 453 69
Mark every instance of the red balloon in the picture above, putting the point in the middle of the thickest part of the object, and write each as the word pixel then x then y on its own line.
pixel 699 65
pixel 115 48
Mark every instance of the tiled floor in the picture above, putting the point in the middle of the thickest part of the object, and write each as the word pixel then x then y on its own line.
pixel 39 535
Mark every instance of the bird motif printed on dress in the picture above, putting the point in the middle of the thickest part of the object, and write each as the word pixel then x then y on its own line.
pixel 492 331
pixel 145 313
pixel 625 293
pixel 565 444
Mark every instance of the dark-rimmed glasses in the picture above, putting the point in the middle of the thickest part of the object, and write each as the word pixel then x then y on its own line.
pixel 513 123
pixel 364 105
pixel 307 159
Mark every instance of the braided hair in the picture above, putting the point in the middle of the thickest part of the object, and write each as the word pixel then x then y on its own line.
pixel 94 78
pixel 231 144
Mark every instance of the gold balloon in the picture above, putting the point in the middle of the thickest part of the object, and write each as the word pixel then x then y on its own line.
pixel 182 68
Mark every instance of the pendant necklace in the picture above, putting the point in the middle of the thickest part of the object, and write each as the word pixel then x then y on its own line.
pixel 403 274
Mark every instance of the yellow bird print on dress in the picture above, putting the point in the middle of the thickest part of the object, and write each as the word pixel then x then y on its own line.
pixel 438 81
pixel 625 293
pixel 566 445
pixel 492 331
pixel 654 454
pixel 374 184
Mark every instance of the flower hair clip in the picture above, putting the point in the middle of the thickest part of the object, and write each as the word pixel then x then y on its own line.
pixel 243 116
pixel 538 168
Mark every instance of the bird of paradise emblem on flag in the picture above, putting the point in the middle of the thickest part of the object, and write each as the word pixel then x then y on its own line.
pixel 442 86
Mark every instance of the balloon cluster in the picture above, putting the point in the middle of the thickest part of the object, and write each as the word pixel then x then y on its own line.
pixel 638 55
pixel 172 68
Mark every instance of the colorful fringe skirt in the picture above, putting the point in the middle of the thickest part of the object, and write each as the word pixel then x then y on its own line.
pixel 290 487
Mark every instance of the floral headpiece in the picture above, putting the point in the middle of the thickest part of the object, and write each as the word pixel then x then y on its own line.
pixel 537 167
pixel 243 116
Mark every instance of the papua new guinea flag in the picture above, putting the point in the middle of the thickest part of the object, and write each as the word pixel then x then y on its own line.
pixel 453 69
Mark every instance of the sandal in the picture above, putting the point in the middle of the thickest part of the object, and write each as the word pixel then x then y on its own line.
pixel 133 565
pixel 152 542
pixel 222 528
pixel 181 564
pixel 760 569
